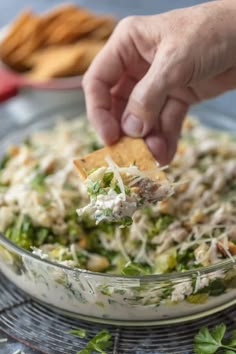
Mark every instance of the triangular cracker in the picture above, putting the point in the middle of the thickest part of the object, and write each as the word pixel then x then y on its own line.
pixel 127 151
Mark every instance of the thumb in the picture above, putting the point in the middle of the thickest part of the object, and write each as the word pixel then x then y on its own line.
pixel 145 102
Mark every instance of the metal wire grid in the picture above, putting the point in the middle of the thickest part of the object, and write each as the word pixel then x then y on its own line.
pixel 44 330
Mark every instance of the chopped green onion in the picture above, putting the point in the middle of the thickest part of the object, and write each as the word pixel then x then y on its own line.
pixel 38 182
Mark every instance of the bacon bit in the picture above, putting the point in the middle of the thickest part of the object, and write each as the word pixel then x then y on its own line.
pixel 232 233
pixel 29 161
pixel 186 206
pixel 231 248
pixel 181 187
pixel 83 242
pixel 187 225
pixel 197 217
pixel 13 150
pixel 136 190
pixel 49 169
pixel 166 207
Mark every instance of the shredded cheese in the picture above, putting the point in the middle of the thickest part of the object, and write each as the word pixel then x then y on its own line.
pixel 120 245
pixel 115 170
pixel 38 252
pixel 73 252
pixel 142 255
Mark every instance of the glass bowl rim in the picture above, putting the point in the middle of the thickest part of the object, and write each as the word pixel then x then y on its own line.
pixel 220 266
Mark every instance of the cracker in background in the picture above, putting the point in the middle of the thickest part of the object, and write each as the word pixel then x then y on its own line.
pixel 15 34
pixel 89 50
pixel 31 36
pixel 54 62
pixel 76 26
pixel 63 61
pixel 127 151
pixel 66 27
pixel 58 12
pixel 104 30
pixel 24 38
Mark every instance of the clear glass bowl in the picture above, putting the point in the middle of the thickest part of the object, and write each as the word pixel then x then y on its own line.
pixel 112 299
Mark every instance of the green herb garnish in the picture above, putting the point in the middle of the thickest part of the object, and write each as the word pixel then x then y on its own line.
pixel 4 161
pixel 125 221
pixel 38 182
pixel 98 344
pixel 95 188
pixel 107 178
pixel 215 288
pixel 133 269
pixel 20 232
pixel 107 212
pixel 211 341
pixel 95 146
pixel 186 260
pixel 118 191
pixel 160 225
pixel 42 234
pixel 25 234
pixel 27 142
pixel 80 332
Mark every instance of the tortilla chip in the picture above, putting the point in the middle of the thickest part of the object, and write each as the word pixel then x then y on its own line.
pixel 127 151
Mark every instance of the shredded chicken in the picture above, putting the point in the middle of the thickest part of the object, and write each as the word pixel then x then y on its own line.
pixel 195 227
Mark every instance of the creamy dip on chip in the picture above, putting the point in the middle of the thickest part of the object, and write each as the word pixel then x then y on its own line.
pixel 117 192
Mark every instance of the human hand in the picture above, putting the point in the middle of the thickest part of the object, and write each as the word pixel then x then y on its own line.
pixel 154 67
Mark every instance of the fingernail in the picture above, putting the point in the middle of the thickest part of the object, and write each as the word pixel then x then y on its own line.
pixel 133 126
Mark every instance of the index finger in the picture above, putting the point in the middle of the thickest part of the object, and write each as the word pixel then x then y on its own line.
pixel 102 75
pixel 118 54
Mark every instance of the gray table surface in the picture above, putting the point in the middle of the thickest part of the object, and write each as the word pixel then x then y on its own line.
pixel 28 103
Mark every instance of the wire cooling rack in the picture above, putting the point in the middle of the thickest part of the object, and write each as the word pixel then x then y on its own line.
pixel 46 331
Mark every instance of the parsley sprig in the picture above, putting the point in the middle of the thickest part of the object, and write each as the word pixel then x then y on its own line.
pixel 38 182
pixel 214 341
pixel 98 344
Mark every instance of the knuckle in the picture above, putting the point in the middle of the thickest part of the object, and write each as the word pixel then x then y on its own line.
pixel 89 85
pixel 87 81
pixel 175 71
pixel 127 23
pixel 174 76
